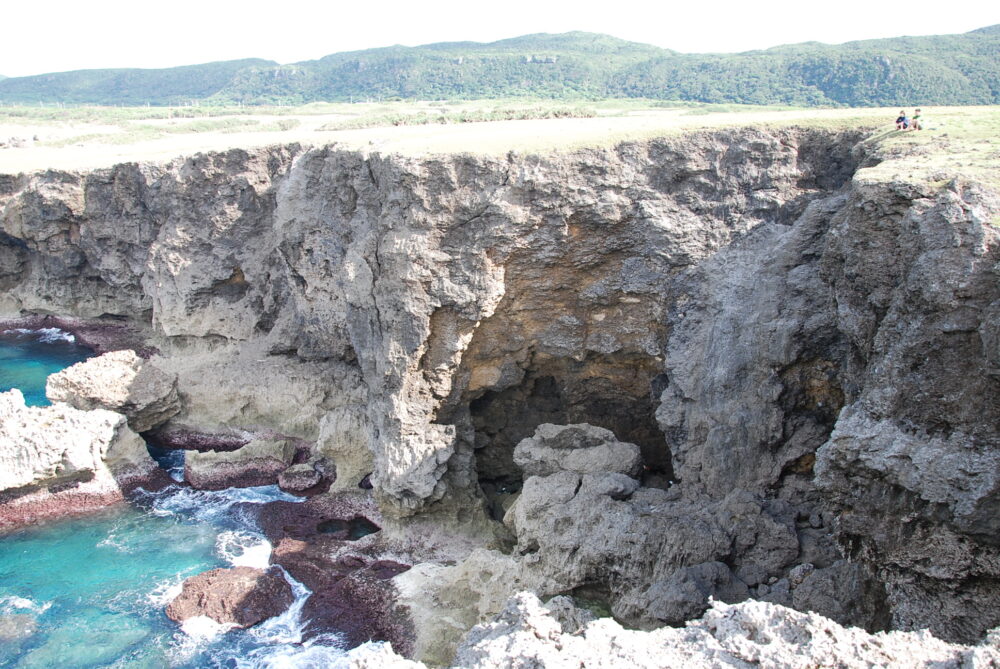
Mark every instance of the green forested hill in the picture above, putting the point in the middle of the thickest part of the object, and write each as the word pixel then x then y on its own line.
pixel 175 85
pixel 944 69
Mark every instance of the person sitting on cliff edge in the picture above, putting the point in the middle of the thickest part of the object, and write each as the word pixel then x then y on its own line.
pixel 902 123
pixel 915 122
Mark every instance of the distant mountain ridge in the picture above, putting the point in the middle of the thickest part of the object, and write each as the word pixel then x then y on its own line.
pixel 942 69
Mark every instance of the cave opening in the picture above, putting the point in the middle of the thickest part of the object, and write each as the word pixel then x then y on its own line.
pixel 618 394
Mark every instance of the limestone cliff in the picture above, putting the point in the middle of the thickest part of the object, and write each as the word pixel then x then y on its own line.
pixel 805 358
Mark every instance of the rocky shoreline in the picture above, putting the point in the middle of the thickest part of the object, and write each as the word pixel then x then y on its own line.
pixel 721 367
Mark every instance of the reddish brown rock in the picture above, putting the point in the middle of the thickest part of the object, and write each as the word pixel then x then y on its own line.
pixel 302 520
pixel 182 437
pixel 299 478
pixel 353 593
pixel 243 596
pixel 324 543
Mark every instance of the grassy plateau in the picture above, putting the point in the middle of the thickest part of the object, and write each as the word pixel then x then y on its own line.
pixel 957 142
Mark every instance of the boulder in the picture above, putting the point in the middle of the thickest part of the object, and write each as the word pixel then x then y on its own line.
pixel 299 478
pixel 240 596
pixel 260 462
pixel 580 448
pixel 119 381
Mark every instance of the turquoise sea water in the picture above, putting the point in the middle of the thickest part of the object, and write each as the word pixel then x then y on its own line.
pixel 91 592
pixel 27 357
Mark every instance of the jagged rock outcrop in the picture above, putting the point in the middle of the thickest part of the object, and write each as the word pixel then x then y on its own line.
pixel 238 596
pixel 119 381
pixel 57 460
pixel 911 468
pixel 752 634
pixel 764 320
pixel 681 551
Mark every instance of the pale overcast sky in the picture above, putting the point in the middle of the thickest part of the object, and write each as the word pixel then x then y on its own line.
pixel 58 35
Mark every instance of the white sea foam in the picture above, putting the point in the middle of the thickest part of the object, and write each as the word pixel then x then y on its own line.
pixel 14 604
pixel 288 627
pixel 196 635
pixel 113 541
pixel 275 643
pixel 322 652
pixel 166 591
pixel 45 335
pixel 203 628
pixel 243 549
pixel 173 463
pixel 211 505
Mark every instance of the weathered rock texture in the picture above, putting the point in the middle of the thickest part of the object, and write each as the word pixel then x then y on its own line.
pixel 788 344
pixel 58 461
pixel 752 634
pixel 240 596
pixel 119 381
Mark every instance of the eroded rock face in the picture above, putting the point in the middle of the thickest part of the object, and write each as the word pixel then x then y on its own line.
pixel 118 381
pixel 239 596
pixel 434 295
pixel 911 468
pixel 571 528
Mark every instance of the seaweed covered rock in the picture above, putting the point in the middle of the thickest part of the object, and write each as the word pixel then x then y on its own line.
pixel 240 596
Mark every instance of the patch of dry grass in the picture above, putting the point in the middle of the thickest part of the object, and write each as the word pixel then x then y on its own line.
pixel 958 142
